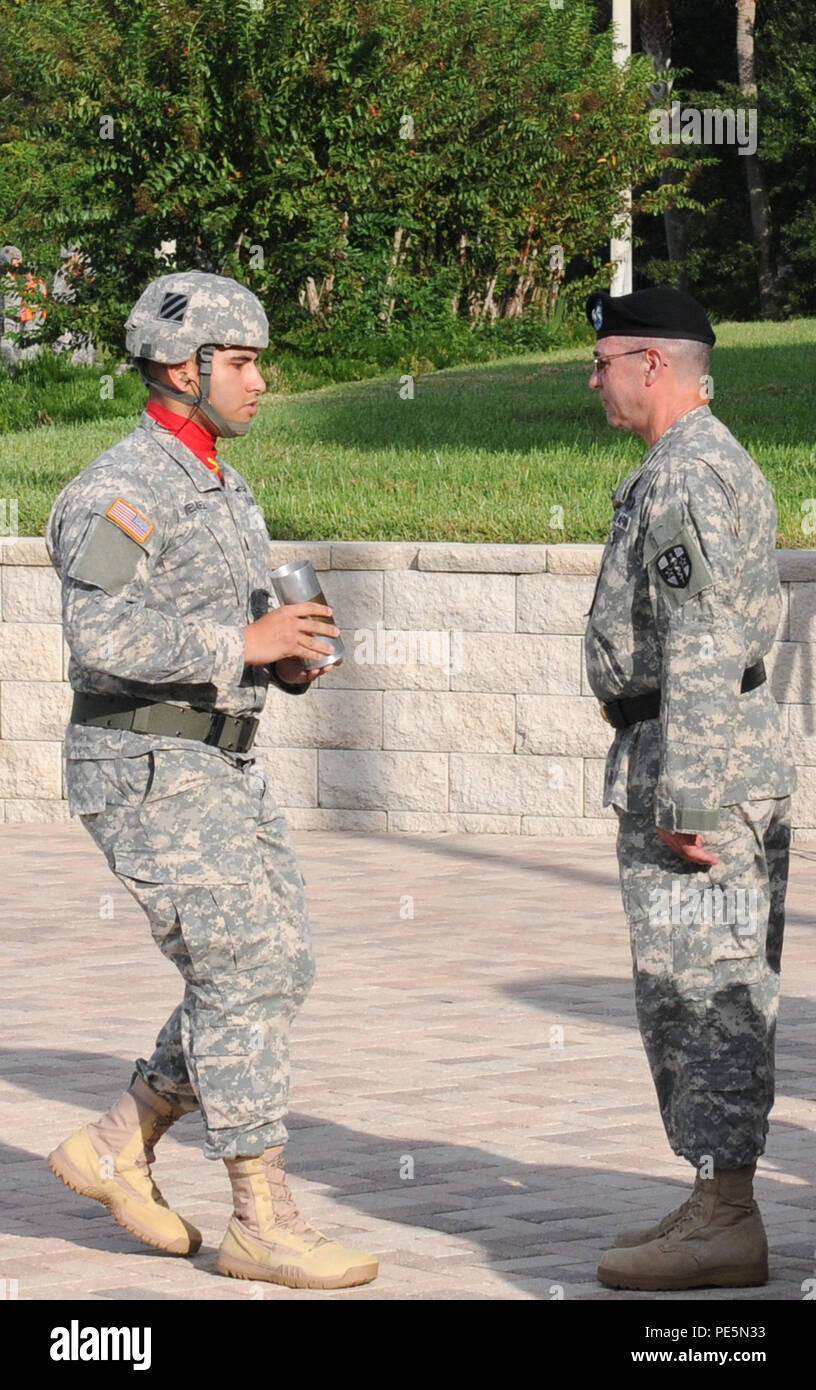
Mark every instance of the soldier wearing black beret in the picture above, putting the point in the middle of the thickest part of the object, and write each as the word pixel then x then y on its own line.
pixel 699 772
pixel 656 313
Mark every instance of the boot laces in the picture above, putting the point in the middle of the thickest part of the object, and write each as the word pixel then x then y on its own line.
pixel 283 1206
pixel 143 1161
pixel 671 1220
pixel 689 1215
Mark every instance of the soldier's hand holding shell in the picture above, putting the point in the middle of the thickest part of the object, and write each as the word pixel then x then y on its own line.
pixel 291 630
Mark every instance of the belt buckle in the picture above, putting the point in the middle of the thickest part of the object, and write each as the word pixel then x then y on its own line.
pixel 246 734
pixel 216 728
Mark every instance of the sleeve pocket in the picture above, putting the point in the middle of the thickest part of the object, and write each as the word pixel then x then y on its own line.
pixel 107 556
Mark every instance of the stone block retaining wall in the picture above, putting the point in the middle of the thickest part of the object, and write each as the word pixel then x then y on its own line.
pixel 462 703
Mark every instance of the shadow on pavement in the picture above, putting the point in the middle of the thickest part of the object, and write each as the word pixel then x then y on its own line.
pixel 511 1211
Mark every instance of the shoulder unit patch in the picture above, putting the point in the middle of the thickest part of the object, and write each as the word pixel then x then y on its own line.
pixel 674 566
pixel 174 307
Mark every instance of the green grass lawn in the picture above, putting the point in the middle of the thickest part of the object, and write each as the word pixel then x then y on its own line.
pixel 496 452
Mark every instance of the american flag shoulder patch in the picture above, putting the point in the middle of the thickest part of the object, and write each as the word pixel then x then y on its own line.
pixel 130 519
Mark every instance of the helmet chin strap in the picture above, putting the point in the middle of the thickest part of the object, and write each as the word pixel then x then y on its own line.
pixel 228 429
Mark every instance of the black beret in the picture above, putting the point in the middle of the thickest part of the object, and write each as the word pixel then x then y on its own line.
pixel 657 313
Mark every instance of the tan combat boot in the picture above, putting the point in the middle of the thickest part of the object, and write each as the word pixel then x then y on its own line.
pixel 110 1161
pixel 719 1240
pixel 640 1235
pixel 267 1237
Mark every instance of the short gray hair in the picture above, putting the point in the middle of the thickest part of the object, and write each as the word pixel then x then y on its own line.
pixel 690 359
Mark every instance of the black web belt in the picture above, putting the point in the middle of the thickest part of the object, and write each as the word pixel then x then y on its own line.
pixel 622 713
pixel 232 731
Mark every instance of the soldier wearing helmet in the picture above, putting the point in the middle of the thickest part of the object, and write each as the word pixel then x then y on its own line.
pixel 163 555
pixel 22 308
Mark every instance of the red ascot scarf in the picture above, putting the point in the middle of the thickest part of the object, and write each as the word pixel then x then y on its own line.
pixel 199 441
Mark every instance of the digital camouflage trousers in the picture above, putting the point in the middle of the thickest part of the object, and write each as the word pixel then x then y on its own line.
pixel 198 840
pixel 706 949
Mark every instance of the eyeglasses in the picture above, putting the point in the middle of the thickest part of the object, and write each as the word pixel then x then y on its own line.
pixel 600 364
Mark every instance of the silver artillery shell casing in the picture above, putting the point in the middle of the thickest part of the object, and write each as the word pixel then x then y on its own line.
pixel 297 582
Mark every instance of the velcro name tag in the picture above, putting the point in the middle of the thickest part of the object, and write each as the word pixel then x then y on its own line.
pixel 131 520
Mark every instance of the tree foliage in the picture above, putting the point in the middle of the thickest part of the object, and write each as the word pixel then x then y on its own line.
pixel 366 165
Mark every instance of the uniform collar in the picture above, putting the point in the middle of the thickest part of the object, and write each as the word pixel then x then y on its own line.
pixel 691 416
pixel 201 442
pixel 624 489
pixel 203 478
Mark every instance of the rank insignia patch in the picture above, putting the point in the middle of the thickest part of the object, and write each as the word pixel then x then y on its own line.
pixel 674 567
pixel 130 520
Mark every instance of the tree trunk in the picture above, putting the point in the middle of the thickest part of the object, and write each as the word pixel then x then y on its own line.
pixel 483 308
pixel 558 270
pixel 327 287
pixel 462 253
pixel 309 296
pixel 757 188
pixel 656 37
pixel 388 306
pixel 512 305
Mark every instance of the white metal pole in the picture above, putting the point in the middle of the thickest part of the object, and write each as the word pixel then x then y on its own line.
pixel 620 247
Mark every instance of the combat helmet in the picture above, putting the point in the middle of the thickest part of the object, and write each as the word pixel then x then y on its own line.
pixel 188 313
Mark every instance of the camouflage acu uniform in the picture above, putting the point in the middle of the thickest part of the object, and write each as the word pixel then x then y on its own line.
pixel 155 608
pixel 13 345
pixel 688 597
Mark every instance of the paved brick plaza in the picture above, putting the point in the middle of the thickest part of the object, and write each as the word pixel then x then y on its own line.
pixel 488 1042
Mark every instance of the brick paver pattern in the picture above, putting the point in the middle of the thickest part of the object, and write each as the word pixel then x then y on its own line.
pixel 470 1098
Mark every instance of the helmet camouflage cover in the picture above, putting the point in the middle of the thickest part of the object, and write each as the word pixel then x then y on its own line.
pixel 181 312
